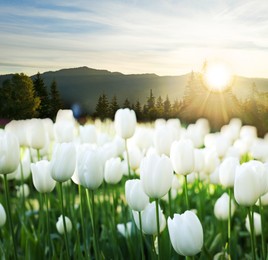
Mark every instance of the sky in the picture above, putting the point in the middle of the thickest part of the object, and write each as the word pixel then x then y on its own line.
pixel 165 37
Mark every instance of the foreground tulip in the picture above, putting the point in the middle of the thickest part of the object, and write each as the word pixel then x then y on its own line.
pixel 90 169
pixel 125 122
pixel 36 133
pixel 221 207
pixel 42 179
pixel 156 175
pixel 60 225
pixel 63 162
pixel 9 153
pixel 246 185
pixel 149 225
pixel 135 195
pixel 3 216
pixel 186 233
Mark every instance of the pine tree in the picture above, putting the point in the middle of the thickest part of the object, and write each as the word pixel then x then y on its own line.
pixel 175 109
pixel 55 101
pixel 167 108
pixel 113 107
pixel 126 104
pixel 159 107
pixel 102 107
pixel 151 110
pixel 41 92
pixel 19 98
pixel 138 111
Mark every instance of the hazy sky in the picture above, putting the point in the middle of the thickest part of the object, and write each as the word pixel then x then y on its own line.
pixel 165 37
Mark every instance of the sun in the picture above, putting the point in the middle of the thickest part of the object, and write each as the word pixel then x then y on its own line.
pixel 217 76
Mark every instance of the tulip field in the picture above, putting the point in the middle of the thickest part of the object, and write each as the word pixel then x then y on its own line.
pixel 126 190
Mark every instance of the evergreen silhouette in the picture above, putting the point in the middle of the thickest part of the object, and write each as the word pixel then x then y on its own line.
pixel 113 107
pixel 102 107
pixel 42 93
pixel 55 100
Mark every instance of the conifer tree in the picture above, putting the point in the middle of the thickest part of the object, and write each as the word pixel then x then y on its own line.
pixel 102 107
pixel 41 92
pixel 138 110
pixel 175 109
pixel 167 108
pixel 55 101
pixel 113 107
pixel 19 98
pixel 159 107
pixel 126 104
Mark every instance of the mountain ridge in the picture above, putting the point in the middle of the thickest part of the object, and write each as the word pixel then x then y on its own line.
pixel 83 85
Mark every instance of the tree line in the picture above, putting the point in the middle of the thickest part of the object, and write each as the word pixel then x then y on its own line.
pixel 22 97
pixel 152 109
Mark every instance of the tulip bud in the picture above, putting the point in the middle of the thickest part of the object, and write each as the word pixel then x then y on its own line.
pixel 227 171
pixel 186 233
pixel 135 195
pixel 125 122
pixel 63 162
pixel 113 171
pixel 88 134
pixel 3 216
pixel 42 179
pixel 90 169
pixel 182 156
pixel 221 207
pixel 9 153
pixel 156 175
pixel 60 225
pixel 148 219
pixel 257 224
pixel 163 138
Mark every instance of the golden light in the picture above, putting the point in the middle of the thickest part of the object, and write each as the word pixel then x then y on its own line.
pixel 217 76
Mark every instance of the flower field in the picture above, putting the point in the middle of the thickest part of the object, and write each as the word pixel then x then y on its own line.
pixel 126 190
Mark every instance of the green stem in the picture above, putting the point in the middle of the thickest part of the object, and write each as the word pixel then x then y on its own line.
pixel 9 216
pixel 48 221
pixel 141 236
pixel 263 244
pixel 186 192
pixel 229 221
pixel 92 215
pixel 158 226
pixel 169 202
pixel 82 222
pixel 252 233
pixel 64 222
pixel 23 193
pixel 127 154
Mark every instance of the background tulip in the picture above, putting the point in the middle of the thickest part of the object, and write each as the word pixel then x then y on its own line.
pixel 113 171
pixel 9 153
pixel 63 161
pixel 182 156
pixel 60 227
pixel 36 133
pixel 3 216
pixel 257 224
pixel 227 171
pixel 23 190
pixel 148 218
pixel 186 233
pixel 135 195
pixel 125 122
pixel 42 180
pixel 221 207
pixel 156 175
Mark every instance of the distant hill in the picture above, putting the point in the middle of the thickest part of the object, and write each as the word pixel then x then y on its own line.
pixel 84 85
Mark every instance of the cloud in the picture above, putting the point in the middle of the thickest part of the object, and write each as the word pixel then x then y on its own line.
pixel 125 35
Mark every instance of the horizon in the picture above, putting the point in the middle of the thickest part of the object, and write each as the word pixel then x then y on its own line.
pixel 167 38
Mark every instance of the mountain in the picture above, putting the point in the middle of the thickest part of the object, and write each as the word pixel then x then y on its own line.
pixel 84 85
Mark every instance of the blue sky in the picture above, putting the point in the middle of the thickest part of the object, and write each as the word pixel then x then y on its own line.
pixel 165 37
